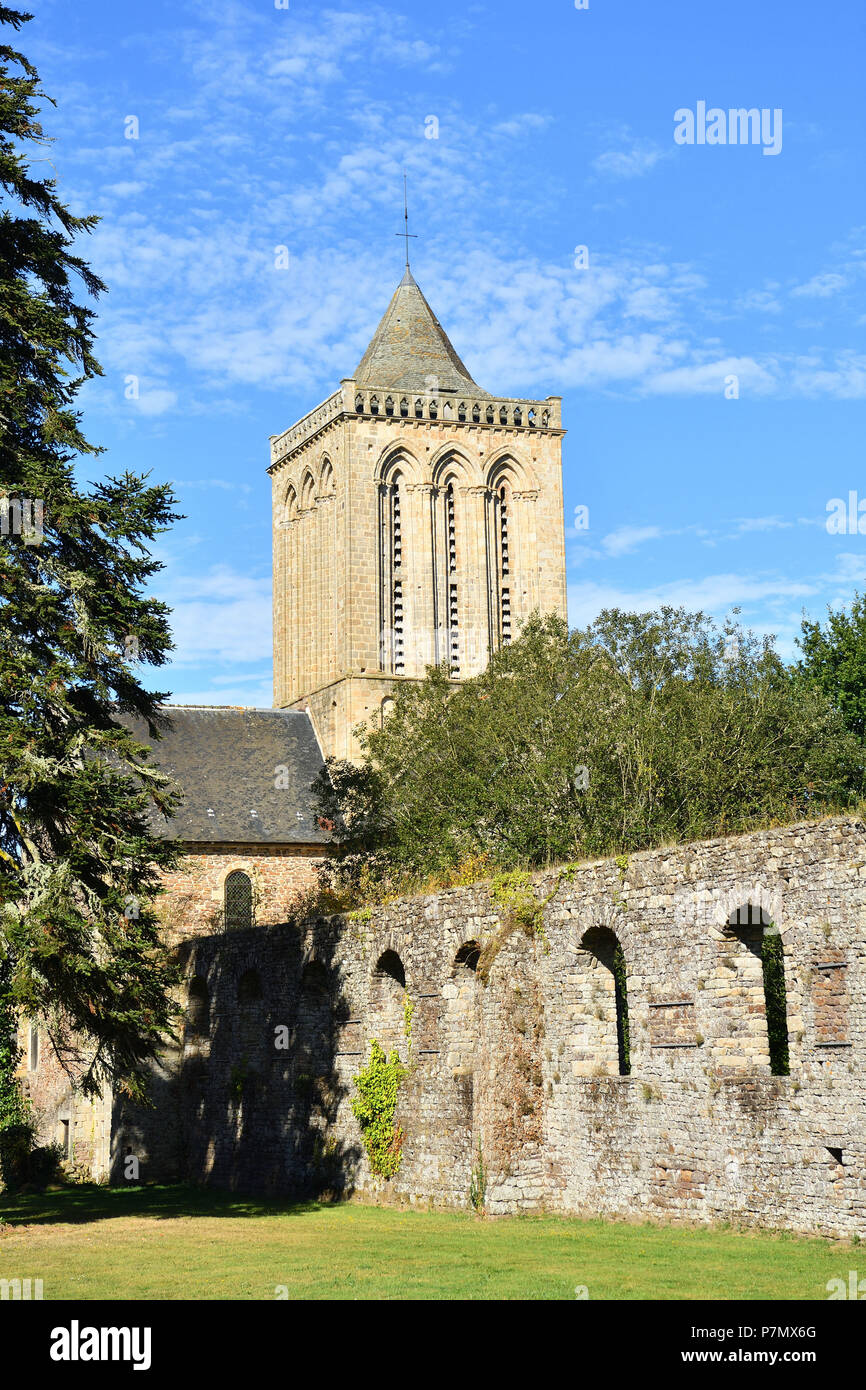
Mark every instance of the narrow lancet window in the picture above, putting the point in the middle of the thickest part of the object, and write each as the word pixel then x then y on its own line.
pixel 397 570
pixel 453 611
pixel 504 570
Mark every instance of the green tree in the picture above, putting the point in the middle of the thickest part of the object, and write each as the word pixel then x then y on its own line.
pixel 13 1107
pixel 834 661
pixel 641 729
pixel 79 864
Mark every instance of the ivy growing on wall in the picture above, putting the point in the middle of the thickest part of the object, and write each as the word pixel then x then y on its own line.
pixel 377 1085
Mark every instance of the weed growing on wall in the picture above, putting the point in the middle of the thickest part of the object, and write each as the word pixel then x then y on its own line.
pixel 478 1183
pixel 408 1011
pixel 519 910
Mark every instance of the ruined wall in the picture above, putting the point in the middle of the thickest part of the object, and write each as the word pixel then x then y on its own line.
pixel 525 1069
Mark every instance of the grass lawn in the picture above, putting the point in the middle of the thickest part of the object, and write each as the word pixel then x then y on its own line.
pixel 181 1243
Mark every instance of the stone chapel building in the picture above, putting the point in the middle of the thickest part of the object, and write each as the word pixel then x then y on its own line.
pixel 417 519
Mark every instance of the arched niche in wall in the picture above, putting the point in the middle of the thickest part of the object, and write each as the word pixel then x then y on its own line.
pixel 387 1000
pixel 252 1024
pixel 747 993
pixel 198 1008
pixel 601 1042
pixel 462 995
pixel 315 1022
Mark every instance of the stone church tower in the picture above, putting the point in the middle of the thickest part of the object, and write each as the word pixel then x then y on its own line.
pixel 416 520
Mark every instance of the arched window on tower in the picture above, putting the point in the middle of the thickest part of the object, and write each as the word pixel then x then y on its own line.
pixel 393 578
pixel 502 509
pixel 398 595
pixel 452 605
pixel 308 492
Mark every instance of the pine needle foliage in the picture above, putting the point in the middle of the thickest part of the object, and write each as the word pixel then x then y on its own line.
pixel 79 862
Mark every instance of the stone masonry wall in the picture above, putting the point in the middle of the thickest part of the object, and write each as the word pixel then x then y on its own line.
pixel 194 892
pixel 192 907
pixel 525 1069
pixel 81 1128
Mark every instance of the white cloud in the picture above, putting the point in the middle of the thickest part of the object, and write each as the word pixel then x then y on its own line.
pixel 844 377
pixel 156 401
pixel 220 616
pixel 758 301
pixel 821 286
pixel 626 539
pixel 195 290
pixel 524 123
pixel 232 318
pixel 713 593
pixel 125 190
pixel 631 163
pixel 223 483
pixel 258 696
pixel 709 377
pixel 762 523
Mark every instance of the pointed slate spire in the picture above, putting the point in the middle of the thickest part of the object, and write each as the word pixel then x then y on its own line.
pixel 410 347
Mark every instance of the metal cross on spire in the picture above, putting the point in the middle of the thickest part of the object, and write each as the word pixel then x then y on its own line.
pixel 406 233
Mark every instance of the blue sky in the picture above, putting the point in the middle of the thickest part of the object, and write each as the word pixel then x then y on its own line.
pixel 261 127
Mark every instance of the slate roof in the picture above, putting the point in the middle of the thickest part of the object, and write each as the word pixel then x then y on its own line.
pixel 226 759
pixel 411 345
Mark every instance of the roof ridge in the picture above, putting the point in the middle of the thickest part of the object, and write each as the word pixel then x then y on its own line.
pixel 251 709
